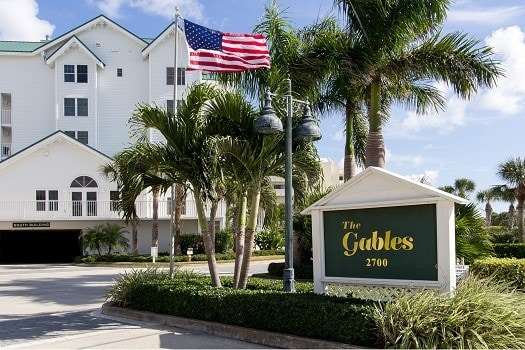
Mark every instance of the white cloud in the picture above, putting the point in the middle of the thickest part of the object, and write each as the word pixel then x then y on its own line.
pixel 486 16
pixel 19 21
pixel 428 177
pixel 445 121
pixel 509 95
pixel 166 8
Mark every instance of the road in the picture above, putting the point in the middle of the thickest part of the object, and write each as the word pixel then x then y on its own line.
pixel 58 306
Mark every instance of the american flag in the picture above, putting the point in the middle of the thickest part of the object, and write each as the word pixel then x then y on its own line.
pixel 214 51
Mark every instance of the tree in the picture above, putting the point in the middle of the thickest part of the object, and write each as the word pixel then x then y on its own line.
pixel 472 240
pixel 92 238
pixel 512 171
pixel 462 188
pixel 486 196
pixel 114 237
pixel 249 159
pixel 397 51
pixel 185 156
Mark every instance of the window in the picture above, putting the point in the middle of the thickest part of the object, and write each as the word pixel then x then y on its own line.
pixel 181 76
pixel 52 203
pixel 40 200
pixel 83 181
pixel 169 105
pixel 75 107
pixel 119 72
pixel 81 76
pixel 69 73
pixel 114 197
pixel 53 200
pixel 82 73
pixel 82 107
pixel 80 136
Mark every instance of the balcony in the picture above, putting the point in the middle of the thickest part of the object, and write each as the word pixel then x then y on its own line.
pixel 5 151
pixel 6 117
pixel 88 210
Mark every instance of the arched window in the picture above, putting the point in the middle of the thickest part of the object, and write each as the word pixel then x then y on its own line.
pixel 84 181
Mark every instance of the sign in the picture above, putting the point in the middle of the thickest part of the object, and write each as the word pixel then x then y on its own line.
pixel 31 224
pixel 396 242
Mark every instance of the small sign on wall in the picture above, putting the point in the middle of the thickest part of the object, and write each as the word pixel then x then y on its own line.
pixel 397 242
pixel 31 224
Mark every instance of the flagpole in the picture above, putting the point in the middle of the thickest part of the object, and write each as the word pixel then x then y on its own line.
pixel 173 192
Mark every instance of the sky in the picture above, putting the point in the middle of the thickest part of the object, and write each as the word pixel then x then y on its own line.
pixel 469 139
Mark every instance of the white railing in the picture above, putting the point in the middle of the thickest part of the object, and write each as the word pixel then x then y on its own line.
pixel 6 150
pixel 6 117
pixel 88 210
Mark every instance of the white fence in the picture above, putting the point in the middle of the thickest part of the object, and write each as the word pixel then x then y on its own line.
pixel 91 210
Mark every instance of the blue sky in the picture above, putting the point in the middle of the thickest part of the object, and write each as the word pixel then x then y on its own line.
pixel 467 140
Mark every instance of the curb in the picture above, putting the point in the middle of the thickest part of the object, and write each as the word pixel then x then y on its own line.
pixel 272 339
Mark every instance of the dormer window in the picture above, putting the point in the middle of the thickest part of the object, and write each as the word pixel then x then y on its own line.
pixel 81 75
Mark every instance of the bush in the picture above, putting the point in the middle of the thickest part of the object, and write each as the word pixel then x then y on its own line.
pixel 505 270
pixel 223 241
pixel 269 239
pixel 510 250
pixel 192 241
pixel 502 234
pixel 303 314
pixel 483 314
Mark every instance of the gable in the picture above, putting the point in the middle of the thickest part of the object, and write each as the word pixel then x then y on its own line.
pixel 73 43
pixel 375 186
pixel 51 163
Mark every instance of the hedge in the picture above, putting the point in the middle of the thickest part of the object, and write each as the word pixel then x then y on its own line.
pixel 510 250
pixel 337 319
pixel 506 270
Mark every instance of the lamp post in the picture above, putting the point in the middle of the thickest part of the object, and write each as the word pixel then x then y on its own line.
pixel 307 128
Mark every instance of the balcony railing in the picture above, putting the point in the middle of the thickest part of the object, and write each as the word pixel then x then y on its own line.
pixel 6 150
pixel 88 210
pixel 6 117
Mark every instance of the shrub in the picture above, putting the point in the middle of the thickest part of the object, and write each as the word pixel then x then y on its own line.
pixel 483 314
pixel 304 314
pixel 192 241
pixel 502 234
pixel 269 239
pixel 510 250
pixel 505 270
pixel 223 241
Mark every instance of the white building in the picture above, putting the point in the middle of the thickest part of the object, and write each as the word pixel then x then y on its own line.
pixel 65 104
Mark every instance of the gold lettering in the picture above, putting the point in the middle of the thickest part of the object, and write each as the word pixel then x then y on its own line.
pixel 348 251
pixel 408 243
pixel 396 242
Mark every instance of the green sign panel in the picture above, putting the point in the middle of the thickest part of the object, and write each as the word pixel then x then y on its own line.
pixel 397 242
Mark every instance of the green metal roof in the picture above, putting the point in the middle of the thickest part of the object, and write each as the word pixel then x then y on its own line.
pixel 20 46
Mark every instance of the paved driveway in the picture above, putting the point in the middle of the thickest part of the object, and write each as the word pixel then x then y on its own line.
pixel 58 306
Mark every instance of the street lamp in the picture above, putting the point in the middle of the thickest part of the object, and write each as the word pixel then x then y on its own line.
pixel 307 128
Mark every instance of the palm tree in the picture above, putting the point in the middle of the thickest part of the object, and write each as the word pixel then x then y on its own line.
pixel 114 237
pixel 512 171
pixel 249 159
pixel 397 50
pixel 486 196
pixel 185 156
pixel 92 238
pixel 462 188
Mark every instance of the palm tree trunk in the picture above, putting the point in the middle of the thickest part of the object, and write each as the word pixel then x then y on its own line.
pixel 375 150
pixel 134 237
pixel 180 195
pixel 209 247
pixel 350 167
pixel 249 238
pixel 375 145
pixel 240 230
pixel 155 217
pixel 519 208
pixel 488 214
pixel 213 215
pixel 511 216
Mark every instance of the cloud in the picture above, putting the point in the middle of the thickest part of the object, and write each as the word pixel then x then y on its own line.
pixel 19 21
pixel 508 97
pixel 165 8
pixel 428 177
pixel 487 15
